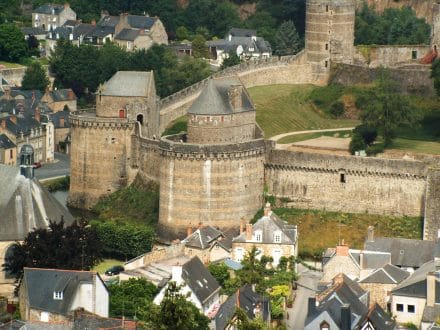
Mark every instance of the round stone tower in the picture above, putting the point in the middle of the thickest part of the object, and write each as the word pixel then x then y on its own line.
pixel 329 31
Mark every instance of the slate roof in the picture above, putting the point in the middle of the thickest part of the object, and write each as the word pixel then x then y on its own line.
pixel 35 325
pixel 47 9
pixel 24 124
pixel 60 95
pixel 431 313
pixel 379 318
pixel 128 83
pixel 42 283
pixel 141 22
pixel 25 205
pixel 389 274
pixel 249 45
pixel 33 31
pixel 415 285
pixel 57 116
pixel 370 259
pixel 199 279
pixel 404 252
pixel 101 31
pixel 5 142
pixel 248 300
pixel 108 20
pixel 77 31
pixel 85 320
pixel 214 98
pixel 128 34
pixel 236 32
pixel 202 237
pixel 269 225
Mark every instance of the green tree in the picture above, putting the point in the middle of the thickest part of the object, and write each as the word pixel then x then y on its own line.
pixel 435 74
pixel 199 48
pixel 231 60
pixel 73 247
pixel 387 109
pixel 220 272
pixel 182 33
pixel 288 41
pixel 35 77
pixel 244 323
pixel 128 297
pixel 13 47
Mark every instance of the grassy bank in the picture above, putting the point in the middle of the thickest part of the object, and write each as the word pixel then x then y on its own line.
pixel 308 136
pixel 321 229
pixel 58 184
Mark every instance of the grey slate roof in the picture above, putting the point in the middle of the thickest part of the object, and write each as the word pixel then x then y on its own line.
pixel 35 325
pixel 388 274
pixel 57 116
pixel 108 20
pixel 379 319
pixel 101 31
pixel 128 34
pixel 214 98
pixel 78 31
pixel 249 45
pixel 237 32
pixel 65 94
pixel 25 205
pixel 42 283
pixel 85 320
pixel 199 279
pixel 431 313
pixel 404 252
pixel 47 9
pixel 33 31
pixel 203 237
pixel 268 225
pixel 128 83
pixel 5 142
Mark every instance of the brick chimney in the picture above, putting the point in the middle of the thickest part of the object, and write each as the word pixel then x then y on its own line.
pixel 70 93
pixel 93 22
pixel 37 115
pixel 370 235
pixel 248 232
pixel 430 289
pixel 189 231
pixel 342 249
pixel 66 5
pixel 200 225
pixel 235 96
pixel 242 223
pixel 62 122
pixel 13 119
pixel 267 209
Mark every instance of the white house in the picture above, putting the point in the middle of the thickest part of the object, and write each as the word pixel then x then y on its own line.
pixel 197 282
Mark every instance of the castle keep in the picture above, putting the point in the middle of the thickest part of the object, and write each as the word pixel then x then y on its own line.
pixel 216 172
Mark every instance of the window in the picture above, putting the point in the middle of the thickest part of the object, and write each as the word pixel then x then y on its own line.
pixel 399 307
pixel 411 309
pixel 58 295
pixel 326 64
pixel 326 8
pixel 326 46
pixel 342 178
pixel 258 236
pixel 414 54
pixel 277 237
pixel 324 326
pixel 239 254
pixel 11 153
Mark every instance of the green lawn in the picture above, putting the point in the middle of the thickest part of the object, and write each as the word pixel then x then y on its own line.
pixel 308 136
pixel 106 264
pixel 286 108
pixel 427 147
pixel 10 65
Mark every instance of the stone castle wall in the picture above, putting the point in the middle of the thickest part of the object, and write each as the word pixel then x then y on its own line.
pixel 99 157
pixel 346 183
pixel 213 184
pixel 146 158
pixel 431 228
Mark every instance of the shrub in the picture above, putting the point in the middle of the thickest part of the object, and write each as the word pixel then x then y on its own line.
pixel 357 143
pixel 375 149
pixel 368 133
pixel 325 96
pixel 337 109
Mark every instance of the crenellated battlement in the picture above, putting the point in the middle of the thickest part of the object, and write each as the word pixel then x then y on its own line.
pixel 88 118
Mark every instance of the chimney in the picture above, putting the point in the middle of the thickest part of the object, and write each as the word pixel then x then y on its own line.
pixel 361 259
pixel 235 96
pixel 267 209
pixel 93 22
pixel 430 289
pixel 61 122
pixel 342 249
pixel 37 115
pixel 70 94
pixel 13 119
pixel 189 231
pixel 242 223
pixel 200 225
pixel 370 235
pixel 66 5
pixel 345 317
pixel 3 123
pixel 237 298
pixel 248 232
pixel 312 306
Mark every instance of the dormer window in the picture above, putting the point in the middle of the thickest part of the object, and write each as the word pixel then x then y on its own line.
pixel 258 235
pixel 277 237
pixel 58 295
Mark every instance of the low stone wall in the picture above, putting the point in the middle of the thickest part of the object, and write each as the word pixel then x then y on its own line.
pixel 158 253
pixel 14 76
pixel 412 79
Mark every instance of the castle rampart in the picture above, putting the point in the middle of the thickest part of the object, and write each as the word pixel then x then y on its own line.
pixel 346 183
pixel 431 230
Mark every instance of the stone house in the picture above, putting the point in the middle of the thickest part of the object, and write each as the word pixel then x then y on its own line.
pixel 61 125
pixel 50 16
pixel 8 151
pixel 74 31
pixel 207 243
pixel 381 282
pixel 49 295
pixel 200 287
pixel 58 99
pixel 243 42
pixel 270 235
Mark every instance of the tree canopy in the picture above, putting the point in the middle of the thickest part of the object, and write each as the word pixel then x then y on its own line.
pixel 35 77
pixel 13 47
pixel 288 41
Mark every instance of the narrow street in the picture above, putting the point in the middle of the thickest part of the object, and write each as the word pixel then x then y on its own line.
pixel 60 167
pixel 307 285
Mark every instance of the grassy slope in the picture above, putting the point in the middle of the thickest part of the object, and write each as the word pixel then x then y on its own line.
pixel 285 108
pixel 308 136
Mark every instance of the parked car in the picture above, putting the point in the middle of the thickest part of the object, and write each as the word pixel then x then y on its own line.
pixel 114 270
pixel 37 165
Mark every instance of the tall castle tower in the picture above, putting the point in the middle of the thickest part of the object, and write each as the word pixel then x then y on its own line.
pixel 102 140
pixel 329 32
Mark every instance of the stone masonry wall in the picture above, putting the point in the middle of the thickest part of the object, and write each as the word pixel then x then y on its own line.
pixel 146 158
pixel 378 293
pixel 411 79
pixel 372 185
pixel 211 184
pixel 432 206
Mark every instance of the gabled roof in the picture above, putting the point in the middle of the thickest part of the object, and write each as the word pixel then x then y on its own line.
pixel 49 8
pixel 33 31
pixel 388 274
pixel 203 237
pixel 57 118
pixel 128 34
pixel 236 32
pixel 60 95
pixel 404 252
pixel 42 283
pixel 24 123
pixel 199 279
pixel 128 83
pixel 108 20
pixel 5 142
pixel 101 31
pixel 269 225
pixel 141 22
pixel 379 319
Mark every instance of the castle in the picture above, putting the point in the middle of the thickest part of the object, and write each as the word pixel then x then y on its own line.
pixel 217 171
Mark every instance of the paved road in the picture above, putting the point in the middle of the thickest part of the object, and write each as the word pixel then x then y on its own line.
pixel 307 284
pixel 60 167
pixel 280 136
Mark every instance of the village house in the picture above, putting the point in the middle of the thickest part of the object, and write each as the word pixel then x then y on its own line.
pixel 53 295
pixel 208 243
pixel 50 16
pixel 243 42
pixel 8 151
pixel 201 288
pixel 74 31
pixel 270 235
pixel 58 99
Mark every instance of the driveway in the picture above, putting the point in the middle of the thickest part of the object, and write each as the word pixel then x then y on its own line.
pixel 280 136
pixel 60 167
pixel 307 285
